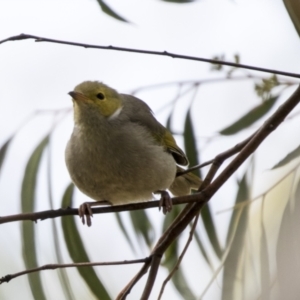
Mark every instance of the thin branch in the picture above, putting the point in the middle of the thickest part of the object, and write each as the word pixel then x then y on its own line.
pixel 209 81
pixel 9 277
pixel 123 294
pixel 180 257
pixel 219 159
pixel 161 53
pixel 156 258
pixel 225 255
pixel 183 220
pixel 61 212
pixel 263 194
pixel 50 214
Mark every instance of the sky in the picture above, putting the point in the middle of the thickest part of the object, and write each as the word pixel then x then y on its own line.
pixel 36 77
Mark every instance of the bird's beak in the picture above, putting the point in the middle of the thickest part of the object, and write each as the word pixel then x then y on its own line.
pixel 78 96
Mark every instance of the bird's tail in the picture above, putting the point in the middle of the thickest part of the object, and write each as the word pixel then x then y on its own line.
pixel 182 185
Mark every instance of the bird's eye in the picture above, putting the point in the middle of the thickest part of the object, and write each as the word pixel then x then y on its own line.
pixel 100 96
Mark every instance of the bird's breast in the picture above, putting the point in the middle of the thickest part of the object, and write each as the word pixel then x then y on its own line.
pixel 125 165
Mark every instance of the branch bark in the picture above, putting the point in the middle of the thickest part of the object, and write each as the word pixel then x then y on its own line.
pixel 182 221
pixel 24 36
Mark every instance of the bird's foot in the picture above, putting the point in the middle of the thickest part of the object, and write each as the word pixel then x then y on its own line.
pixel 165 201
pixel 85 211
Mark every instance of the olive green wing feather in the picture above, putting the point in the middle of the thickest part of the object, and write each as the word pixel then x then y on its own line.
pixel 169 142
pixel 138 111
pixel 182 185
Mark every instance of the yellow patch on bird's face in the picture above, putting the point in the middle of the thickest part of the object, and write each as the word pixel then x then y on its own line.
pixel 97 96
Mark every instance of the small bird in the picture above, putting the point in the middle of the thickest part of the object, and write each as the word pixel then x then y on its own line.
pixel 119 153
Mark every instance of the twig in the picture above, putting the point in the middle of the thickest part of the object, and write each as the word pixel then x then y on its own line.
pixel 225 255
pixel 207 81
pixel 7 278
pixel 270 125
pixel 50 214
pixel 180 257
pixel 161 53
pixel 123 294
pixel 156 258
pixel 168 234
pixel 263 194
pixel 219 159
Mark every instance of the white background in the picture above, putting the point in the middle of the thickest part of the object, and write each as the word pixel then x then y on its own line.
pixel 38 76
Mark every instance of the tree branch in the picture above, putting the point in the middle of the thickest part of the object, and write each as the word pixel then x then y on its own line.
pixel 163 53
pixel 9 277
pixel 184 218
pixel 180 257
pixel 123 294
pixel 62 212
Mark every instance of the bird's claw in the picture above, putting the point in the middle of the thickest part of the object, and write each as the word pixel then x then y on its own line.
pixel 85 213
pixel 165 202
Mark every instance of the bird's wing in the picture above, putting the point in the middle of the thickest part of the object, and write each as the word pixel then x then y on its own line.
pixel 139 112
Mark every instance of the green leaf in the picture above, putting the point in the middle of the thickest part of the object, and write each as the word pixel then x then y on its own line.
pixel 170 217
pixel 77 251
pixel 215 66
pixel 178 278
pixel 192 154
pixel 289 157
pixel 237 232
pixel 169 120
pixel 251 117
pixel 62 273
pixel 190 142
pixel 179 1
pixel 123 228
pixel 265 277
pixel 264 88
pixel 3 151
pixel 171 257
pixel 142 226
pixel 237 58
pixel 211 230
pixel 28 231
pixel 288 249
pixel 293 8
pixel 106 9
pixel 203 250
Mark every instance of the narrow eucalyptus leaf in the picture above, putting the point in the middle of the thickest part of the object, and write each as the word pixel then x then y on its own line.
pixel 169 217
pixel 106 9
pixel 203 250
pixel 181 284
pixel 62 273
pixel 251 117
pixel 211 231
pixel 178 278
pixel 169 120
pixel 289 157
pixel 77 250
pixel 265 273
pixel 179 1
pixel 28 230
pixel 190 141
pixel 192 154
pixel 288 249
pixel 236 231
pixel 142 225
pixel 123 229
pixel 3 151
pixel 293 9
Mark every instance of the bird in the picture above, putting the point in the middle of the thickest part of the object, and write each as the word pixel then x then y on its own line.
pixel 118 152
